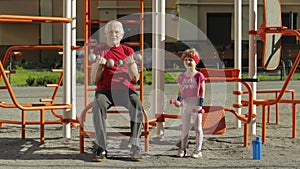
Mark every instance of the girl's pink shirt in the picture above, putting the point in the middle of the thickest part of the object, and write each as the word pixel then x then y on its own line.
pixel 191 85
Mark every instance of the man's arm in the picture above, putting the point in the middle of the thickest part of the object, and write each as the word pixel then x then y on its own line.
pixel 101 62
pixel 132 69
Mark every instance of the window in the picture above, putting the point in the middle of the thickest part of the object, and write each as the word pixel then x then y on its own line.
pixel 289 20
pixel 219 28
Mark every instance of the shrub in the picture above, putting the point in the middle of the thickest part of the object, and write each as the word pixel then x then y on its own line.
pixel 80 77
pixel 41 81
pixel 30 81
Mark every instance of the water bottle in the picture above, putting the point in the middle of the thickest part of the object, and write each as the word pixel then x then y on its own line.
pixel 257 149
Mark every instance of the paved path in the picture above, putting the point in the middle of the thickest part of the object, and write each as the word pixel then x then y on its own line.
pixel 219 151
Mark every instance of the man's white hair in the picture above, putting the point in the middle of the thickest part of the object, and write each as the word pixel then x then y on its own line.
pixel 113 22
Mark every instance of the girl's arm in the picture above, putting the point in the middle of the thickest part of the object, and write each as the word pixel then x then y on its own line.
pixel 201 97
pixel 179 98
pixel 202 87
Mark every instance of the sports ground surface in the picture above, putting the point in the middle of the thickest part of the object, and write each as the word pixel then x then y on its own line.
pixel 219 151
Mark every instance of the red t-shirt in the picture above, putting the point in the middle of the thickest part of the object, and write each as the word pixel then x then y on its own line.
pixel 115 77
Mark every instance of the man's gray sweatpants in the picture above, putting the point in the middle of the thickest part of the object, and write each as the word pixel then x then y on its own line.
pixel 104 99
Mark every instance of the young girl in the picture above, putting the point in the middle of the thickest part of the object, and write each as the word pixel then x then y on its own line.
pixel 191 92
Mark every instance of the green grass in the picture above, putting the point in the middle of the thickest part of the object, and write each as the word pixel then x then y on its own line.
pixel 169 77
pixel 265 77
pixel 21 75
pixel 19 78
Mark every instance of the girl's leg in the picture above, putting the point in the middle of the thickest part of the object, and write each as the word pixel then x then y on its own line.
pixel 186 126
pixel 198 130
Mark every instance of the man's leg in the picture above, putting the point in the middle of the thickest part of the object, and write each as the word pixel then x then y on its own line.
pixel 101 104
pixel 131 100
pixel 136 117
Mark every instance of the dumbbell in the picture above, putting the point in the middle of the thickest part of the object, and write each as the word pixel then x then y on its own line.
pixel 172 101
pixel 137 57
pixel 198 111
pixel 92 57
pixel 109 62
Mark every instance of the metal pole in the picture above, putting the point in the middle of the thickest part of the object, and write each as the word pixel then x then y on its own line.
pixel 253 55
pixel 238 49
pixel 158 39
pixel 67 67
pixel 73 43
pixel 291 20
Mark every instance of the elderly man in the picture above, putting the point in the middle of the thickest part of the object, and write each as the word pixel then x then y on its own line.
pixel 115 86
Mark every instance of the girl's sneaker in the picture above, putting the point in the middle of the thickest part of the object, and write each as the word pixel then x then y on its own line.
pixel 197 154
pixel 181 153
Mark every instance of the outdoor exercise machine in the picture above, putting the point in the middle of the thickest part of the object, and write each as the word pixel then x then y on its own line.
pixel 87 71
pixel 24 107
pixel 67 117
pixel 271 32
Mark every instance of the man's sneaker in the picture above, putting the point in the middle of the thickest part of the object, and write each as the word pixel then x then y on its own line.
pixel 100 155
pixel 197 154
pixel 135 153
pixel 181 153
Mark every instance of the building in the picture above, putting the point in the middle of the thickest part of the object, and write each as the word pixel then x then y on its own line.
pixel 215 18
